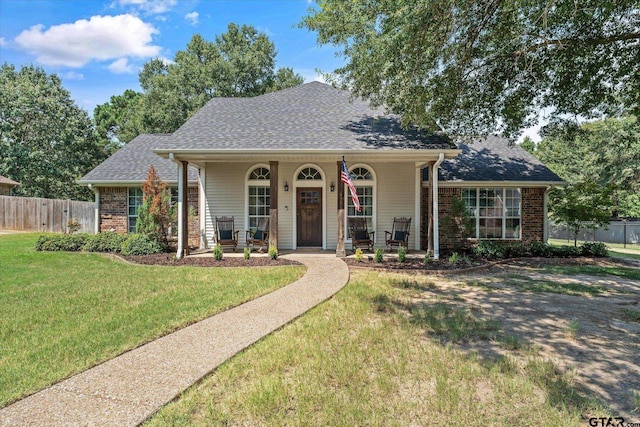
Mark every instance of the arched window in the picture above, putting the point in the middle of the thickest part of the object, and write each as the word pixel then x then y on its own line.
pixel 309 174
pixel 365 182
pixel 258 195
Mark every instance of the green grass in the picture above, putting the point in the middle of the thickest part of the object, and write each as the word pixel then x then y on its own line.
pixel 64 312
pixel 361 359
pixel 593 270
pixel 632 251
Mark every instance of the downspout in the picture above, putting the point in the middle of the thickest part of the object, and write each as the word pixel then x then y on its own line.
pixel 180 252
pixel 436 227
pixel 545 219
pixel 96 209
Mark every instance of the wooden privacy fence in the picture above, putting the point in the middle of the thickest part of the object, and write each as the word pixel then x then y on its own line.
pixel 50 215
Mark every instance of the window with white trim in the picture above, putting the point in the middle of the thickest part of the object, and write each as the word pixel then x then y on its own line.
pixel 364 182
pixel 259 199
pixel 497 211
pixel 135 196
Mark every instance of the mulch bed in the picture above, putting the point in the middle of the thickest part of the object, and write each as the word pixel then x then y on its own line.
pixel 443 266
pixel 207 261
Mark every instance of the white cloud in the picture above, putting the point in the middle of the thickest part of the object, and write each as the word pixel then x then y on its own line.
pixel 3 42
pixel 166 61
pixel 121 66
pixel 72 75
pixel 150 6
pixel 100 38
pixel 192 18
pixel 311 75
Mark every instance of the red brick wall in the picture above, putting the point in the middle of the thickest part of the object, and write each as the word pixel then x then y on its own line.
pixel 114 208
pixel 532 224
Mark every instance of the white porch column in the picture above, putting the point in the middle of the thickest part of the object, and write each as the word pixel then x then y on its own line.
pixel 545 223
pixel 436 226
pixel 202 208
pixel 96 208
pixel 417 196
pixel 181 201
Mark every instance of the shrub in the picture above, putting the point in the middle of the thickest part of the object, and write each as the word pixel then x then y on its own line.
pixel 73 225
pixel 541 249
pixel 402 254
pixel 378 255
pixel 490 249
pixel 596 249
pixel 459 225
pixel 218 252
pixel 273 252
pixel 516 250
pixel 140 244
pixel 565 251
pixel 104 242
pixel 359 255
pixel 247 253
pixel 427 259
pixel 454 258
pixel 61 242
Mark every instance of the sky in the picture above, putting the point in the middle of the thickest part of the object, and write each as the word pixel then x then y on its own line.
pixel 97 47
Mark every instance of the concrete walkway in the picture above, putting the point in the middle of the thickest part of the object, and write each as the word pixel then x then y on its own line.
pixel 128 389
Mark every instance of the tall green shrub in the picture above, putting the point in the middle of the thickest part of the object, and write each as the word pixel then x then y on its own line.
pixel 459 226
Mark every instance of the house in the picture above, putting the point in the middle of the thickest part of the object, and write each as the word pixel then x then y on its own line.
pixel 280 155
pixel 6 185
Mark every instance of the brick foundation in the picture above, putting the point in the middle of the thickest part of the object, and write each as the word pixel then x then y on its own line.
pixel 114 212
pixel 532 219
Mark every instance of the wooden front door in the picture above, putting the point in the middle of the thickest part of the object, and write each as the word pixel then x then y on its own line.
pixel 309 212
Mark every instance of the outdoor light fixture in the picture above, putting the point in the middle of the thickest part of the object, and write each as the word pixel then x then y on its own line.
pixel 332 187
pixel 286 186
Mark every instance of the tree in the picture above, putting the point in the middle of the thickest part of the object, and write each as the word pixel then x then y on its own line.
pixel 485 66
pixel 156 213
pixel 46 141
pixel 117 121
pixel 528 145
pixel 581 205
pixel 459 225
pixel 606 152
pixel 240 62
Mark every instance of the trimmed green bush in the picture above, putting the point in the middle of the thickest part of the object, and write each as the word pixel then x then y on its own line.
pixel 490 249
pixel 565 251
pixel 540 249
pixel 378 255
pixel 218 253
pixel 273 252
pixel 247 253
pixel 595 249
pixel 402 254
pixel 359 255
pixel 104 242
pixel 140 244
pixel 61 242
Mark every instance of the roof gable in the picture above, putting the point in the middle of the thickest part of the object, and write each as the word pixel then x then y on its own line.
pixel 313 116
pixel 131 163
pixel 493 159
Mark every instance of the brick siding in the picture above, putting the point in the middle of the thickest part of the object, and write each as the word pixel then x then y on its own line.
pixel 114 212
pixel 532 219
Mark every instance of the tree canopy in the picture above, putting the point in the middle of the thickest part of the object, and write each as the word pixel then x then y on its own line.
pixel 603 152
pixel 486 66
pixel 46 141
pixel 240 62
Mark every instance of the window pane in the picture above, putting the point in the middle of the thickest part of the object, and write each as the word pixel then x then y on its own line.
pixel 490 228
pixel 512 227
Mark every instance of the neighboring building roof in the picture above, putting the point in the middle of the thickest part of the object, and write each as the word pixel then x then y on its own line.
pixel 493 159
pixel 313 116
pixel 6 181
pixel 131 163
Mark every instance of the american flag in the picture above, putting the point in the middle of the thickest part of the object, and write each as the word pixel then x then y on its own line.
pixel 346 178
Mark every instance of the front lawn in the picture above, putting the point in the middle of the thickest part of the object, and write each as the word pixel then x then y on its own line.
pixel 64 312
pixel 380 353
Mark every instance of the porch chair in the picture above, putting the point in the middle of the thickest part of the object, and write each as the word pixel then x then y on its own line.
pixel 399 234
pixel 226 235
pixel 260 236
pixel 360 235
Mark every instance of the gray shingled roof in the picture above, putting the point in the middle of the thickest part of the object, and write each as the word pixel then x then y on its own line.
pixel 492 159
pixel 6 181
pixel 313 116
pixel 132 161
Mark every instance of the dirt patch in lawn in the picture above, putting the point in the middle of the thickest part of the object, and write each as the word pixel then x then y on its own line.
pixel 208 261
pixel 587 324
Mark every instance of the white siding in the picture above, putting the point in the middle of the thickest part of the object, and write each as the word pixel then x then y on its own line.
pixel 395 197
pixel 226 193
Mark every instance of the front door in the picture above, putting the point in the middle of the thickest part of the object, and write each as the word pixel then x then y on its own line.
pixel 309 214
